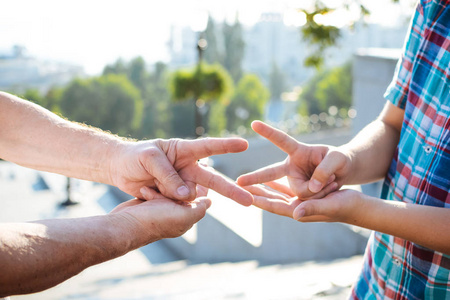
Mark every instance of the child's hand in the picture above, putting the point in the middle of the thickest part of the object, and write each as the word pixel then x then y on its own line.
pixel 312 170
pixel 340 206
pixel 274 197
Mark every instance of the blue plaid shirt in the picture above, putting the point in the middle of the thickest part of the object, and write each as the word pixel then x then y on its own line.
pixel 395 268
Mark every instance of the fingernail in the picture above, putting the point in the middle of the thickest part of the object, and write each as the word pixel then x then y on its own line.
pixel 334 186
pixel 208 203
pixel 299 214
pixel 332 178
pixel 183 191
pixel 143 191
pixel 315 186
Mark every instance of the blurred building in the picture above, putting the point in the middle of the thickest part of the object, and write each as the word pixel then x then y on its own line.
pixel 19 71
pixel 366 36
pixel 271 41
pixel 182 47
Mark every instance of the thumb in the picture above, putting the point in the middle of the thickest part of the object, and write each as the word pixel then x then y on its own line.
pixel 204 202
pixel 325 172
pixel 312 210
pixel 168 180
pixel 198 208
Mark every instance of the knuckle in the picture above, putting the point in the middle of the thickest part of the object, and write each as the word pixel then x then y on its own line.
pixel 208 150
pixel 152 152
pixel 211 182
pixel 322 172
pixel 171 177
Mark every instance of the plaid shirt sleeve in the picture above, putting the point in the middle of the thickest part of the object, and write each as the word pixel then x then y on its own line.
pixel 420 170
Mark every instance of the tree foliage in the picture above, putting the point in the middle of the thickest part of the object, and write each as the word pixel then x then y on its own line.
pixel 336 88
pixel 183 119
pixel 277 82
pixel 110 102
pixel 208 82
pixel 202 83
pixel 248 102
pixel 322 36
pixel 119 67
pixel 212 53
pixel 50 100
pixel 157 118
pixel 153 89
pixel 34 95
pixel 328 88
pixel 217 121
pixel 135 71
pixel 226 46
pixel 234 49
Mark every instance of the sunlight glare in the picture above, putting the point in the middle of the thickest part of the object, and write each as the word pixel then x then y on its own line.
pixel 294 17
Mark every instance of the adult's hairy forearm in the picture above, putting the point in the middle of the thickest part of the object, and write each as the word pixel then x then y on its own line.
pixel 36 256
pixel 36 138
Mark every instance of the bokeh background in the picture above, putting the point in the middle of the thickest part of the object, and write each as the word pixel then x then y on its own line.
pixel 189 69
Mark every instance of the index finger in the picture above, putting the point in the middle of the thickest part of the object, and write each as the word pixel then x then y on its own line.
pixel 278 186
pixel 277 206
pixel 263 175
pixel 282 140
pixel 210 178
pixel 206 147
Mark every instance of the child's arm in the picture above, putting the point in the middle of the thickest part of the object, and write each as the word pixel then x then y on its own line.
pixel 424 225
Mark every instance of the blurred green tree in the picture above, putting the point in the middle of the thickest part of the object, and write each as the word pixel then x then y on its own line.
pixel 119 67
pixel 183 119
pixel 110 102
pixel 211 53
pixel 320 35
pixel 137 74
pixel 248 102
pixel 217 122
pixel 34 95
pixel 135 70
pixel 234 49
pixel 277 82
pixel 157 117
pixel 152 84
pixel 53 97
pixel 50 100
pixel 335 89
pixel 327 88
pixel 201 85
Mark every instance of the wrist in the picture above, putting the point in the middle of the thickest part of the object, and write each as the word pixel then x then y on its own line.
pixel 123 233
pixel 117 151
pixel 129 233
pixel 350 158
pixel 362 209
pixel 92 151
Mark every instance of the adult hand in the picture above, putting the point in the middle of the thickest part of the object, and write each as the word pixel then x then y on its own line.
pixel 312 170
pixel 161 217
pixel 145 169
pixel 339 206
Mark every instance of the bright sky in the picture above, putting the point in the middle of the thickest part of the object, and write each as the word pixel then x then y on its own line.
pixel 93 33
